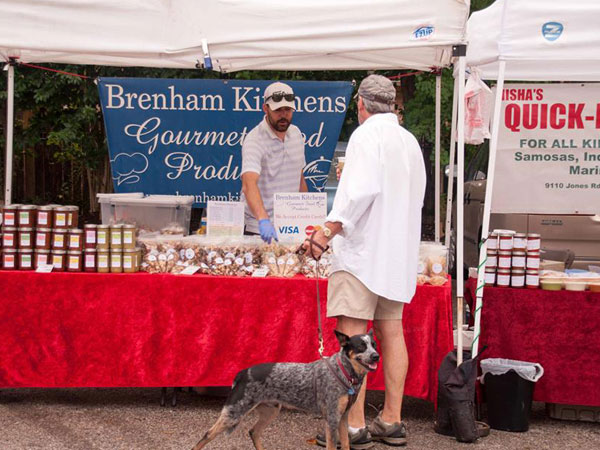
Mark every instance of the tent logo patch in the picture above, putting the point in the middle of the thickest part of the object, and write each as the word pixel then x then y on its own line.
pixel 552 30
pixel 423 32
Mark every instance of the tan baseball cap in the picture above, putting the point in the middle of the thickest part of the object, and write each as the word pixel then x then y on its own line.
pixel 277 95
pixel 377 88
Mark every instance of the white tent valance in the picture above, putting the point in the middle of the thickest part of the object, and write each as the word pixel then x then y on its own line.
pixel 240 34
pixel 540 40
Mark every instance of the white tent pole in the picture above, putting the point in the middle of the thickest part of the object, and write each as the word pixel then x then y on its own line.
pixel 10 104
pixel 438 115
pixel 460 204
pixel 487 207
pixel 450 193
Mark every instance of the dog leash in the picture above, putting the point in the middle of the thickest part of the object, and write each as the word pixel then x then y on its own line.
pixel 301 251
pixel 350 381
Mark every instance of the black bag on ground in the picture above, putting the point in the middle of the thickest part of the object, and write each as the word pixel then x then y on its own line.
pixel 456 399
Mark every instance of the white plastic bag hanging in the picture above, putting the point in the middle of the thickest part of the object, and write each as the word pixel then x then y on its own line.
pixel 499 366
pixel 478 101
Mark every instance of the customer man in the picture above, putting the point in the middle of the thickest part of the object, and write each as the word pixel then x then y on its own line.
pixel 376 218
pixel 272 160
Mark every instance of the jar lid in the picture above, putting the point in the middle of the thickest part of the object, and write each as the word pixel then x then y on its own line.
pixel 10 250
pixel 490 269
pixel 504 271
pixel 116 252
pixel 504 252
pixel 520 235
pixel 492 251
pixel 72 207
pixel 45 208
pixel 128 226
pixel 59 252
pixel 74 252
pixel 493 234
pixel 533 235
pixel 41 250
pixel 129 250
pixel 518 271
pixel 91 225
pixel 117 226
pixel 44 230
pixel 61 208
pixel 103 227
pixel 25 250
pixel 54 205
pixel 104 250
pixel 27 207
pixel 90 250
pixel 506 235
pixel 533 271
pixel 75 231
pixel 10 207
pixel 533 253
pixel 25 229
pixel 60 230
pixel 518 252
pixel 5 229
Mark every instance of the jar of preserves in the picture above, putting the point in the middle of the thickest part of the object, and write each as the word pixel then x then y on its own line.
pixel 59 238
pixel 25 259
pixel 44 216
pixel 533 260
pixel 520 241
pixel 43 238
pixel 90 235
pixel 116 261
pixel 490 276
pixel 116 237
pixel 532 278
pixel 534 242
pixel 26 215
pixel 518 259
pixel 505 241
pixel 25 237
pixel 103 261
pixel 75 239
pixel 59 260
pixel 517 278
pixel 503 278
pixel 130 260
pixel 129 236
pixel 492 259
pixel 60 216
pixel 41 257
pixel 89 260
pixel 74 259
pixel 492 242
pixel 504 259
pixel 72 216
pixel 9 215
pixel 9 237
pixel 102 237
pixel 9 258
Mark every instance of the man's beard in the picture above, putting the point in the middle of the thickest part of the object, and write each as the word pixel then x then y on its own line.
pixel 280 125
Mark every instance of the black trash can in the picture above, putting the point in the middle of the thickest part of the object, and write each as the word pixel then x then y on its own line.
pixel 508 387
pixel 508 401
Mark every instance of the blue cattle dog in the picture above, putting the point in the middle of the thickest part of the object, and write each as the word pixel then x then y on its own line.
pixel 328 386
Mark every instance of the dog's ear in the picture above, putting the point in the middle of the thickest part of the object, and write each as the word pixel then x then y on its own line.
pixel 342 338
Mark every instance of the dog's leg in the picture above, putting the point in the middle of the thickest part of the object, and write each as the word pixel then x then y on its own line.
pixel 343 432
pixel 330 437
pixel 225 422
pixel 266 415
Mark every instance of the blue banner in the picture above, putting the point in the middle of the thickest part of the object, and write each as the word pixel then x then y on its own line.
pixel 184 137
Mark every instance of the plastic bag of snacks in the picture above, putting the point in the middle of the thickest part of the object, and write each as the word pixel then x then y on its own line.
pixel 433 264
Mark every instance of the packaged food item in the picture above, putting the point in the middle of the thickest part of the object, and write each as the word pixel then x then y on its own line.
pixel 26 215
pixel 10 237
pixel 490 276
pixel 492 241
pixel 72 216
pixel 25 259
pixel 435 257
pixel 59 259
pixel 129 236
pixel 532 278
pixel 103 261
pixel 41 258
pixel 60 217
pixel 503 277
pixel 75 239
pixel 103 237
pixel 534 242
pixel 520 242
pixel 518 259
pixel 129 260
pixel 89 260
pixel 517 278
pixel 44 216
pixel 74 261
pixel 505 240
pixel 533 260
pixel 9 258
pixel 116 237
pixel 9 215
pixel 116 261
pixel 43 238
pixel 90 230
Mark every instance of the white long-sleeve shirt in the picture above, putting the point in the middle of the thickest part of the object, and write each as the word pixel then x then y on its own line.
pixel 379 201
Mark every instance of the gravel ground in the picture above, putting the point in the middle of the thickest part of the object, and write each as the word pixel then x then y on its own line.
pixel 114 419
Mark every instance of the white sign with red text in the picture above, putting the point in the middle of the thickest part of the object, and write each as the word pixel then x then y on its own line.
pixel 298 214
pixel 548 159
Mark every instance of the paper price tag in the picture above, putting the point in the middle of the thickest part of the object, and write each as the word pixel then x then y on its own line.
pixel 190 270
pixel 44 268
pixel 261 272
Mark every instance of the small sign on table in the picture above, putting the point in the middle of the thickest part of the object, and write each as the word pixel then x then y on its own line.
pixel 299 214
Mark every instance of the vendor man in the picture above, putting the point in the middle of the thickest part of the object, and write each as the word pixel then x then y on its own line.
pixel 272 160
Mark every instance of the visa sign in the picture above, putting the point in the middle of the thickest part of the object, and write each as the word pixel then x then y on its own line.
pixel 299 214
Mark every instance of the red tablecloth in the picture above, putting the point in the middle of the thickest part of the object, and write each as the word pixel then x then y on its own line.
pixel 140 330
pixel 560 330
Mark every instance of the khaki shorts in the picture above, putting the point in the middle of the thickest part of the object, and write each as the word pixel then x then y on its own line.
pixel 348 296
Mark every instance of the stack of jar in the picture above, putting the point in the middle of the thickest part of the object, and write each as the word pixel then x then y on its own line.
pixel 513 259
pixel 115 251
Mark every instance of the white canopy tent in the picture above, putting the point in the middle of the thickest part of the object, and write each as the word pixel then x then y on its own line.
pixel 232 35
pixel 534 40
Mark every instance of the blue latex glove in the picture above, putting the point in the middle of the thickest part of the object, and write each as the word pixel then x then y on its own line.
pixel 267 230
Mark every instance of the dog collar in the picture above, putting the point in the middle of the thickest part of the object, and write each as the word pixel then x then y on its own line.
pixel 347 382
pixel 351 379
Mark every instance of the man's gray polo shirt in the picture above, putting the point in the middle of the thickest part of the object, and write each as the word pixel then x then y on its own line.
pixel 279 164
